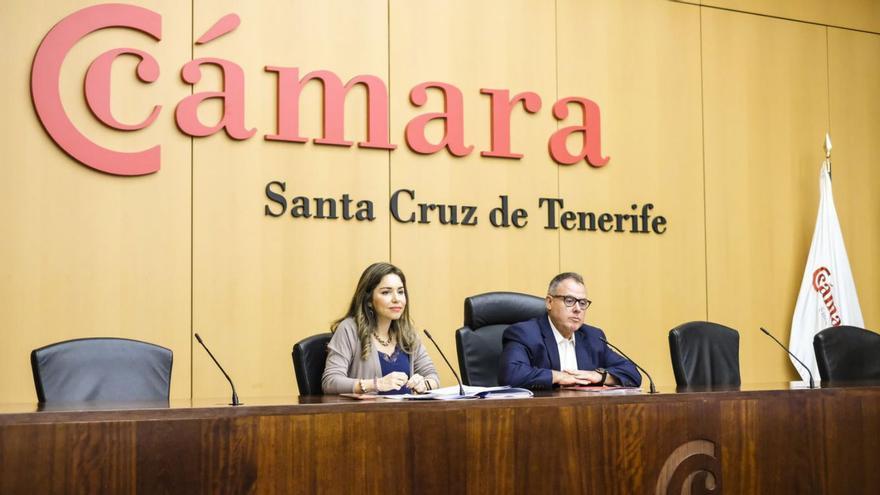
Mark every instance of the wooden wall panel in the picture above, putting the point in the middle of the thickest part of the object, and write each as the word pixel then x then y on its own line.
pixel 190 249
pixel 642 285
pixel 472 46
pixel 86 253
pixel 262 283
pixel 855 124
pixel 765 113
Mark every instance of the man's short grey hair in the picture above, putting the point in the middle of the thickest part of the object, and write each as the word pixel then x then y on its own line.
pixel 551 289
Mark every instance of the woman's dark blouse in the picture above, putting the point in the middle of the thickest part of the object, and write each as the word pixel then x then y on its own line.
pixel 397 361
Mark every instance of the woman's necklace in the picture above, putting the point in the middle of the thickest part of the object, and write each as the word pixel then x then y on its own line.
pixel 384 343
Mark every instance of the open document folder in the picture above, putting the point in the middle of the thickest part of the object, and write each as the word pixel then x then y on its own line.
pixel 452 393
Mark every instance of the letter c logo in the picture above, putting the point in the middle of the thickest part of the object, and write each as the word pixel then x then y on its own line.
pixel 46 70
pixel 691 468
pixel 820 278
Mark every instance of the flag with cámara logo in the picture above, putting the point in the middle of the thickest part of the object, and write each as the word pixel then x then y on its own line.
pixel 828 293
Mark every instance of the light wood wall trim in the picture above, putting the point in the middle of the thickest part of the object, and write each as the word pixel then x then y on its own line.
pixel 807 11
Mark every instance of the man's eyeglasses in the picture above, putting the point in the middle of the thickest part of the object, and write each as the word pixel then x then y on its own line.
pixel 569 301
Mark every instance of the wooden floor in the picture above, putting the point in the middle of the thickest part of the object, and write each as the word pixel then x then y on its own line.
pixel 737 442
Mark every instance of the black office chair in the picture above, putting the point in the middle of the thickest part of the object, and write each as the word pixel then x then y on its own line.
pixel 847 353
pixel 704 354
pixel 309 358
pixel 102 369
pixel 486 316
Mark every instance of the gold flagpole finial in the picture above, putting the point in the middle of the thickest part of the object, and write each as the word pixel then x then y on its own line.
pixel 828 152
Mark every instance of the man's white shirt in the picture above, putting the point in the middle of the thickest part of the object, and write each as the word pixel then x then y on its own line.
pixel 567 356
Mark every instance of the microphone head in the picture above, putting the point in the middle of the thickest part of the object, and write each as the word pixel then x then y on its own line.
pixel 427 333
pixel 764 330
pixel 199 339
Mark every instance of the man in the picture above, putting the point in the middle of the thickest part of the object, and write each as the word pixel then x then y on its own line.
pixel 559 349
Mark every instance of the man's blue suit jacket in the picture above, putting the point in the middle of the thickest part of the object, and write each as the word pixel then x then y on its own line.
pixel 530 352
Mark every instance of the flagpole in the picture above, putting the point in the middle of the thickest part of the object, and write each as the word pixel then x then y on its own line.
pixel 828 152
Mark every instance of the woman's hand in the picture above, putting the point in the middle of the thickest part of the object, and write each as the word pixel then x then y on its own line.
pixel 417 384
pixel 391 381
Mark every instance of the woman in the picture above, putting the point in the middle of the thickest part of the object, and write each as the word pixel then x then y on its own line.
pixel 375 348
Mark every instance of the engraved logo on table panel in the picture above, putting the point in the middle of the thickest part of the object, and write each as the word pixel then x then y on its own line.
pixel 691 469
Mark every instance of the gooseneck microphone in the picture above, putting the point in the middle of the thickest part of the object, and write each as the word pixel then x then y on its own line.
pixel 235 401
pixel 650 380
pixel 460 386
pixel 812 383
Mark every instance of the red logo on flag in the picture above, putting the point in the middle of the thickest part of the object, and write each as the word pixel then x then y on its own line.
pixel 823 287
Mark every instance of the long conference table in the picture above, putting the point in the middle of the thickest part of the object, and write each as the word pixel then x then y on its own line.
pixel 758 439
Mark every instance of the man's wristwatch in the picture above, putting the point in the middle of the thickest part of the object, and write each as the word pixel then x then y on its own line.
pixel 604 374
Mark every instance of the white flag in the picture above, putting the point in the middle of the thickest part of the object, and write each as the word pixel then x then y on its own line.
pixel 828 293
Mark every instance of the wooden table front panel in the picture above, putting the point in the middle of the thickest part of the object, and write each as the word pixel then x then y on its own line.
pixel 821 441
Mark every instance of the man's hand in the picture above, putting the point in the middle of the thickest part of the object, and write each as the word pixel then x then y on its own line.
pixel 591 376
pixel 571 378
pixel 578 377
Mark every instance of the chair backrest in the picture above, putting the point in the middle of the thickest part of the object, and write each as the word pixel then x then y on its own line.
pixel 704 354
pixel 309 359
pixel 102 369
pixel 847 353
pixel 478 343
